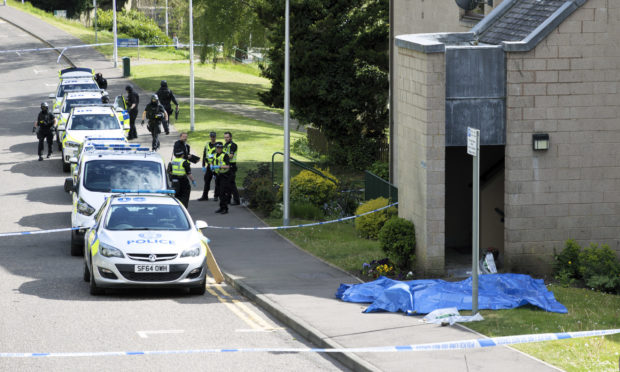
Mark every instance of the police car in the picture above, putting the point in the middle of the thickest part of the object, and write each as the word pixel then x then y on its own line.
pixel 101 169
pixel 91 121
pixel 70 85
pixel 145 240
pixel 92 143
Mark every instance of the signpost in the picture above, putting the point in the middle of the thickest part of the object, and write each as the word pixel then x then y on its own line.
pixel 473 149
pixel 129 43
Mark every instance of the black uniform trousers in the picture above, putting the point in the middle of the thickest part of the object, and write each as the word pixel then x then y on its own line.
pixel 166 123
pixel 234 193
pixel 183 189
pixel 42 135
pixel 224 182
pixel 133 133
pixel 209 175
pixel 154 128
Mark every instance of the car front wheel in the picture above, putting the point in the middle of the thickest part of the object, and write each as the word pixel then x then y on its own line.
pixel 94 290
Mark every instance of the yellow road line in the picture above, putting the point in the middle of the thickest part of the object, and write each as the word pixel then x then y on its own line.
pixel 235 310
pixel 255 317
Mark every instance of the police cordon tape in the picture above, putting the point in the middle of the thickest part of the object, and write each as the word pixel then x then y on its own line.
pixel 217 227
pixel 63 48
pixel 478 343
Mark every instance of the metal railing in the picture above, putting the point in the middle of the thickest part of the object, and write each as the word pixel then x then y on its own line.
pixel 299 164
pixel 376 187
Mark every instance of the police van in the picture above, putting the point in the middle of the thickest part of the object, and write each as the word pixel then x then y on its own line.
pixel 70 85
pixel 101 169
pixel 91 121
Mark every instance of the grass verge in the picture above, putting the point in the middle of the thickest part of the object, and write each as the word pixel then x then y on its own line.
pixel 257 140
pixel 336 243
pixel 226 82
pixel 587 310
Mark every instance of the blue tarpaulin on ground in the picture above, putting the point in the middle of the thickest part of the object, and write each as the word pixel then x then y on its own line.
pixel 495 292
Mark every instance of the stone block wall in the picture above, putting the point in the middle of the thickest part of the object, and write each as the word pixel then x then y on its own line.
pixel 420 138
pixel 569 87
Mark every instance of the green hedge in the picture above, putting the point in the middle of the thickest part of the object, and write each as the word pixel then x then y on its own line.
pixel 133 24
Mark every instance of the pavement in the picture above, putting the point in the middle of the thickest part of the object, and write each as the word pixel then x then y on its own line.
pixel 297 289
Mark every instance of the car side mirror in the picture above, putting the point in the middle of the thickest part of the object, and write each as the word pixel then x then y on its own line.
pixel 69 187
pixel 56 111
pixel 73 160
pixel 200 224
pixel 61 127
pixel 52 95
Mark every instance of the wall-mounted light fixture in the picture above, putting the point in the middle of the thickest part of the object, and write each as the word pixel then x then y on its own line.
pixel 540 141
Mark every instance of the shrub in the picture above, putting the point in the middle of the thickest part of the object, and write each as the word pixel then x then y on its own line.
pixel 599 268
pixel 261 175
pixel 309 186
pixel 133 24
pixel 397 239
pixel 306 210
pixel 369 226
pixel 381 169
pixel 265 199
pixel 566 266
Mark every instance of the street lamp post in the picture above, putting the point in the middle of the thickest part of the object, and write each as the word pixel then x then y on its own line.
pixel 115 54
pixel 95 6
pixel 166 17
pixel 287 139
pixel 191 68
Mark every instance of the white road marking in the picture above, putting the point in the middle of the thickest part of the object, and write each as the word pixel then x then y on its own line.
pixel 145 334
pixel 50 85
pixel 269 330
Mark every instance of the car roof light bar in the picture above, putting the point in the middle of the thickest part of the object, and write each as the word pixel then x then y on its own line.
pixel 138 191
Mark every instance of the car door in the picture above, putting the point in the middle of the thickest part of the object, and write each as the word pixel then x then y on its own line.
pixel 120 107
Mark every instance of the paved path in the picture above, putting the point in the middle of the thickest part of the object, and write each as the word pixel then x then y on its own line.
pixel 295 287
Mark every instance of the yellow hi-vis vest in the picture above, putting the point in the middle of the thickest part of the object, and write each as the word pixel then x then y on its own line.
pixel 219 160
pixel 210 151
pixel 226 151
pixel 177 167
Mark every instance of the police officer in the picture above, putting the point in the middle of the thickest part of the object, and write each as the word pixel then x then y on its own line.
pixel 181 145
pixel 207 160
pixel 221 167
pixel 44 126
pixel 230 148
pixel 165 96
pixel 156 113
pixel 105 98
pixel 101 81
pixel 180 170
pixel 132 105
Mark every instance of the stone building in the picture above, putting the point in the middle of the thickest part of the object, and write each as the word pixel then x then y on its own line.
pixel 529 69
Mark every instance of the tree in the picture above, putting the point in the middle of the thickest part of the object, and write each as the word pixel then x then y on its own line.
pixel 339 70
pixel 73 7
pixel 227 23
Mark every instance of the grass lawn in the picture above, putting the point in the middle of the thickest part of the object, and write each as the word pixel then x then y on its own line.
pixel 87 35
pixel 336 243
pixel 587 310
pixel 257 140
pixel 227 82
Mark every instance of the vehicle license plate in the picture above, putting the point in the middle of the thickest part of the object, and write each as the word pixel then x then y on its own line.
pixel 152 268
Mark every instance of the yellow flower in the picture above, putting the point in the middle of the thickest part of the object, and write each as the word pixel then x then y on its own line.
pixel 569 262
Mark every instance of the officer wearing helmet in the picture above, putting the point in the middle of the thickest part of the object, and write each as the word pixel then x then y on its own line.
pixel 165 97
pixel 44 126
pixel 105 98
pixel 180 173
pixel 156 113
pixel 132 105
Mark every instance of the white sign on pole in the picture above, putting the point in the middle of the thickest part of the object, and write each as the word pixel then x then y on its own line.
pixel 472 141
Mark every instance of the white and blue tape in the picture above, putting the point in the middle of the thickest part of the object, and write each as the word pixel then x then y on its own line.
pixel 302 225
pixel 438 346
pixel 217 227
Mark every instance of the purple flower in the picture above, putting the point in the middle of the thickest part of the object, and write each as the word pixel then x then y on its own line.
pixel 365 265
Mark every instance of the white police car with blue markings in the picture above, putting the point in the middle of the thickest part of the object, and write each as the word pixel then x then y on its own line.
pixel 145 239
pixel 71 84
pixel 102 168
pixel 88 121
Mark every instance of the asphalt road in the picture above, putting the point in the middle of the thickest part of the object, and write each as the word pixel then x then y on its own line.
pixel 44 304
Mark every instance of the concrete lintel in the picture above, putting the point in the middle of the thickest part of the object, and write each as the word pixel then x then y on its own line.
pixel 432 43
pixel 542 31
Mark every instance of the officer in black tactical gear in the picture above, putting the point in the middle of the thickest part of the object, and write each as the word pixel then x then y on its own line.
pixel 165 97
pixel 105 98
pixel 132 105
pixel 44 126
pixel 156 113
pixel 101 81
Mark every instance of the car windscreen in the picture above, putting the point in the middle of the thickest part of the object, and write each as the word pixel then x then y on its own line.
pixel 73 87
pixel 83 101
pixel 94 122
pixel 105 175
pixel 146 217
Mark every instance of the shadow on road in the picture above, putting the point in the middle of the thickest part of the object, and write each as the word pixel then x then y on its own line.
pixel 46 221
pixel 55 195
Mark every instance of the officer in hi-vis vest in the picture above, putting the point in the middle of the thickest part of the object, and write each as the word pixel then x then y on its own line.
pixel 230 148
pixel 221 167
pixel 208 154
pixel 180 174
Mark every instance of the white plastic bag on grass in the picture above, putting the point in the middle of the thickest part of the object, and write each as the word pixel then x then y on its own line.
pixel 449 315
